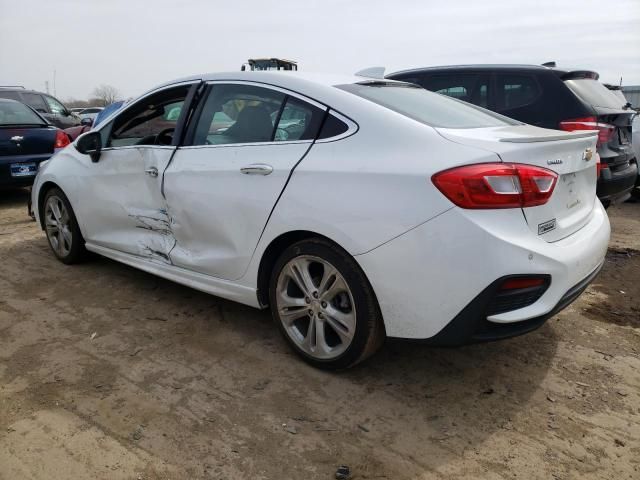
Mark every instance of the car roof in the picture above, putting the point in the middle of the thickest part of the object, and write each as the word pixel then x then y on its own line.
pixel 279 78
pixel 561 72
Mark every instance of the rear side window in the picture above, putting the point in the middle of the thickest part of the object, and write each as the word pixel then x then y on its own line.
pixel 35 101
pixel 472 88
pixel 237 113
pixel 515 91
pixel 427 107
pixel 299 120
pixel 332 127
pixel 594 93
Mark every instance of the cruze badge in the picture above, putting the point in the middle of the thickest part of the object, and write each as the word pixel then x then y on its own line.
pixel 554 162
pixel 588 153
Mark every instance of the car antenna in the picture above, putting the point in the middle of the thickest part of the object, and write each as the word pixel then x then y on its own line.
pixel 372 72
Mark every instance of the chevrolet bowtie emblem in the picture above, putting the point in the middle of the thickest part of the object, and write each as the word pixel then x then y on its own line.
pixel 588 153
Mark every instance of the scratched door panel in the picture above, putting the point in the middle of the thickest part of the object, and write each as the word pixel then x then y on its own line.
pixel 217 212
pixel 127 211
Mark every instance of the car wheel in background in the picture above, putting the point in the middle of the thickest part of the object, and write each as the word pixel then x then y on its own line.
pixel 61 227
pixel 324 305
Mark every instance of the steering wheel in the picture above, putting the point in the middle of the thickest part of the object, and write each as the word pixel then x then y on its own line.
pixel 164 137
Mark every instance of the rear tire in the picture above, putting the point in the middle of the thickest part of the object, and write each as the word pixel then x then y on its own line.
pixel 324 305
pixel 61 226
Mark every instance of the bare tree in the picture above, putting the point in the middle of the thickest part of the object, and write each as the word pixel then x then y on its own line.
pixel 105 95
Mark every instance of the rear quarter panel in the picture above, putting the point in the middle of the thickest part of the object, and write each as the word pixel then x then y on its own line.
pixel 367 189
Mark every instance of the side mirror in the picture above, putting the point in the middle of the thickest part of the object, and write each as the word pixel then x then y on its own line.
pixel 90 144
pixel 87 122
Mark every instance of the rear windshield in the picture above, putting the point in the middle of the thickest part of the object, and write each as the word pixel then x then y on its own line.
pixel 594 93
pixel 15 113
pixel 427 107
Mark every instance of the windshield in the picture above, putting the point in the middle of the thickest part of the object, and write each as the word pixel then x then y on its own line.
pixel 15 113
pixel 596 94
pixel 427 107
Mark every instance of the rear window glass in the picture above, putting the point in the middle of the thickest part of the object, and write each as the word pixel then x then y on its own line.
pixel 14 113
pixel 594 93
pixel 427 107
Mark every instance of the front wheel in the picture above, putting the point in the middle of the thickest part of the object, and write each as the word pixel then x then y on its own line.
pixel 62 229
pixel 324 305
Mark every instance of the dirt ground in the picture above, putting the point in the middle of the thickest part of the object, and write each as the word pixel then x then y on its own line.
pixel 107 372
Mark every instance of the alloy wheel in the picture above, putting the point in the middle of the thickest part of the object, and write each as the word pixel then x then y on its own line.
pixel 57 224
pixel 316 307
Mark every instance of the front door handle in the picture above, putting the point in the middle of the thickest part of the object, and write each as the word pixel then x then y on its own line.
pixel 257 169
pixel 153 171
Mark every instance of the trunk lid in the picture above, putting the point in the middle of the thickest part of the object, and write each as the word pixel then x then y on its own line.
pixel 571 204
pixel 19 140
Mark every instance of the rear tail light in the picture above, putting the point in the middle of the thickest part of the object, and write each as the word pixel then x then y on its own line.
pixel 62 140
pixel 496 185
pixel 605 130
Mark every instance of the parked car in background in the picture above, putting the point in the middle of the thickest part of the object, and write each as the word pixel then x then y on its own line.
pixel 548 97
pixel 76 110
pixel 90 112
pixel 354 208
pixel 26 140
pixel 87 123
pixel 49 107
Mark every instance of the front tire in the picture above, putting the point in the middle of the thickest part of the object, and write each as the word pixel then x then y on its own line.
pixel 324 305
pixel 62 229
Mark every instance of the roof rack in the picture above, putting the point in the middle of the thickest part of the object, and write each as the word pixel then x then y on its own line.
pixel 12 86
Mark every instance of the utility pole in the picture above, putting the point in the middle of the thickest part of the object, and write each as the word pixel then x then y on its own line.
pixel 54 83
pixel 46 86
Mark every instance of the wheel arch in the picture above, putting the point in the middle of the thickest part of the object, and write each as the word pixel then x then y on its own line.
pixel 44 188
pixel 275 248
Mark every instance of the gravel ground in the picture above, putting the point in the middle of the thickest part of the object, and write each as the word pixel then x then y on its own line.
pixel 107 372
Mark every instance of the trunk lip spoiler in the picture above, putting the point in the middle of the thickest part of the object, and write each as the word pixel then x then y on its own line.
pixel 551 138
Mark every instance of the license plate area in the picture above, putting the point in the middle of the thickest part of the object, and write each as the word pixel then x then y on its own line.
pixel 23 169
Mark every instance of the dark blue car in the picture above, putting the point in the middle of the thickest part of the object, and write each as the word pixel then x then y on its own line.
pixel 26 140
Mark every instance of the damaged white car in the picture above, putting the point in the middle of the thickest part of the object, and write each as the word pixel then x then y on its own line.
pixel 355 208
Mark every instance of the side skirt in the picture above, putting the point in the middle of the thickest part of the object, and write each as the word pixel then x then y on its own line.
pixel 204 283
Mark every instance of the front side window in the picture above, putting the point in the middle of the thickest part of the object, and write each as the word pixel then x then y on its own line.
pixel 515 91
pixel 150 121
pixel 55 106
pixel 35 101
pixel 425 106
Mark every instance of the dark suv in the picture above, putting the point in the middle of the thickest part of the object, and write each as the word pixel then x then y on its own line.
pixel 49 107
pixel 548 97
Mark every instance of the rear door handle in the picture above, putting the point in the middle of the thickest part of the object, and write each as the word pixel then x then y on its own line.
pixel 257 169
pixel 153 171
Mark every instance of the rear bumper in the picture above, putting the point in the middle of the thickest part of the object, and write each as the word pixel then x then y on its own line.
pixel 615 186
pixel 6 179
pixel 471 324
pixel 429 276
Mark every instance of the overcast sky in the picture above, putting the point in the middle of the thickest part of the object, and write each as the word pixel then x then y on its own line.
pixel 135 44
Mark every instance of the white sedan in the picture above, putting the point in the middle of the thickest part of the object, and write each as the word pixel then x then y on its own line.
pixel 354 208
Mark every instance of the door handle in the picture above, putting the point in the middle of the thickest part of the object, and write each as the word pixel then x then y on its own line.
pixel 257 169
pixel 153 171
